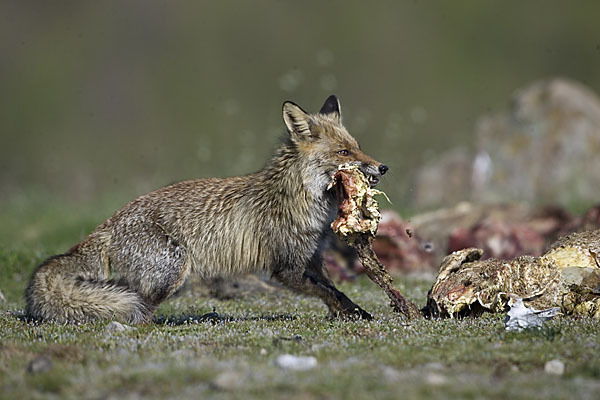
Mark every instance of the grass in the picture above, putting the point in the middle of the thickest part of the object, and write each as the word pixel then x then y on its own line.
pixel 235 356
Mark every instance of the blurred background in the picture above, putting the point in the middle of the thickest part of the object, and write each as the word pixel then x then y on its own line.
pixel 103 101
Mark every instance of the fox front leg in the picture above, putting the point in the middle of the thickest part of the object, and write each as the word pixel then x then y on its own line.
pixel 338 303
pixel 313 281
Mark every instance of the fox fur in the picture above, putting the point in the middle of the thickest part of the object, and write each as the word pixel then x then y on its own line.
pixel 275 219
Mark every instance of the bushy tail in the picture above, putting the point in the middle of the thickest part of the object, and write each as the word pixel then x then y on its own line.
pixel 56 292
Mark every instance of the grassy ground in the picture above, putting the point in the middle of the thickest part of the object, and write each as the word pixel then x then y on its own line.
pixel 234 356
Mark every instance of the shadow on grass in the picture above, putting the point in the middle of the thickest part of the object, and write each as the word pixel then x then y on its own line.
pixel 214 317
pixel 211 317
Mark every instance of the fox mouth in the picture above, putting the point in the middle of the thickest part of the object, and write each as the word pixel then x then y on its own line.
pixel 373 180
pixel 371 173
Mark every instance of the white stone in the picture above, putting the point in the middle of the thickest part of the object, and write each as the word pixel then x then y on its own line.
pixel 115 326
pixel 435 379
pixel 296 363
pixel 228 380
pixel 554 367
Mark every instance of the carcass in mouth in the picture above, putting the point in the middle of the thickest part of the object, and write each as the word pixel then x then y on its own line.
pixel 358 211
pixel 356 223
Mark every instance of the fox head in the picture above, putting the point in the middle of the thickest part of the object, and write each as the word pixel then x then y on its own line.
pixel 324 142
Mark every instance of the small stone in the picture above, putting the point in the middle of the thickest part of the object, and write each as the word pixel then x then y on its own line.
pixel 228 380
pixel 39 364
pixel 390 373
pixel 435 379
pixel 183 354
pixel 554 367
pixel 115 326
pixel 434 366
pixel 296 363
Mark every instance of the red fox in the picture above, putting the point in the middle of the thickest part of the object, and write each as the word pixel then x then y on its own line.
pixel 275 219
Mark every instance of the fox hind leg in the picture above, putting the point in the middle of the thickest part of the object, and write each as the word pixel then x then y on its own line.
pixel 156 272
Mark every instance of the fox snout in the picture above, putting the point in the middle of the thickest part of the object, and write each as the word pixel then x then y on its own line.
pixel 373 172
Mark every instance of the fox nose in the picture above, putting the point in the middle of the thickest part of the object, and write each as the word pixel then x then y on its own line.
pixel 383 169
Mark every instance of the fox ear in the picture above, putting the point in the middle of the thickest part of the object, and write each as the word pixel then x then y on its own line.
pixel 296 120
pixel 332 108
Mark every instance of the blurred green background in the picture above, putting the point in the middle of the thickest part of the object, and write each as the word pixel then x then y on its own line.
pixel 108 100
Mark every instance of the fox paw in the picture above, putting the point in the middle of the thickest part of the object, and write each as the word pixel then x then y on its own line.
pixel 351 314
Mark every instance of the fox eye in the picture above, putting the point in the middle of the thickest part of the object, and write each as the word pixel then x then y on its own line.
pixel 344 153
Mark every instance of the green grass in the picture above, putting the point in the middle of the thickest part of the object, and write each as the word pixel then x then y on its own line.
pixel 234 357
